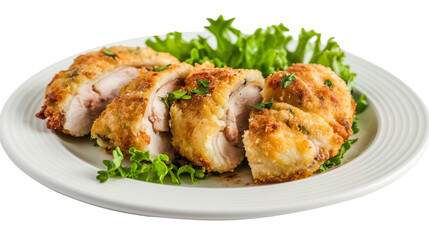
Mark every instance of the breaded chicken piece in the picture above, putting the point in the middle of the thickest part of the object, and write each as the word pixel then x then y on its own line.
pixel 77 96
pixel 207 129
pixel 138 117
pixel 307 124
pixel 286 143
pixel 310 93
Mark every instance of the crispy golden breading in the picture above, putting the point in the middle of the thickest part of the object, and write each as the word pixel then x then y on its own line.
pixel 204 128
pixel 306 125
pixel 129 120
pixel 286 143
pixel 80 79
pixel 309 93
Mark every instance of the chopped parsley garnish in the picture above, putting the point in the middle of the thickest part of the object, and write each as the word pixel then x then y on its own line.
pixel 146 168
pixel 203 82
pixel 159 69
pixel 262 106
pixel 110 53
pixel 290 110
pixel 94 141
pixel 166 102
pixel 288 79
pixel 329 83
pixel 178 94
pixel 202 89
pixel 303 129
pixel 174 96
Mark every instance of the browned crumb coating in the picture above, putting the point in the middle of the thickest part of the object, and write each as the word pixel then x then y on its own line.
pixel 85 70
pixel 196 123
pixel 309 93
pixel 126 122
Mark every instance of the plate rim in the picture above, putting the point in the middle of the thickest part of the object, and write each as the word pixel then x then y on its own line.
pixel 177 213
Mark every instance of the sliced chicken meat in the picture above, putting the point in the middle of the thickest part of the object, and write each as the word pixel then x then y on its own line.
pixel 77 96
pixel 237 115
pixel 138 117
pixel 207 129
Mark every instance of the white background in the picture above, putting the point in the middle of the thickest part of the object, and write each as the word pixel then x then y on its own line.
pixel 36 34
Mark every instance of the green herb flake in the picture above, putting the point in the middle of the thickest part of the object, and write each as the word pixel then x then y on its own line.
pixel 176 95
pixel 200 91
pixel 203 82
pixel 304 130
pixel 262 106
pixel 288 79
pixel 159 69
pixel 329 83
pixel 290 110
pixel 186 95
pixel 94 142
pixel 110 53
pixel 167 104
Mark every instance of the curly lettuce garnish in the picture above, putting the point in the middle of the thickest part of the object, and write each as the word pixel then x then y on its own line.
pixel 146 168
pixel 361 104
pixel 335 161
pixel 268 50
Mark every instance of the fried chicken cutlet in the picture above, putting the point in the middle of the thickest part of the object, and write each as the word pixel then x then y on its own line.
pixel 138 117
pixel 77 96
pixel 207 129
pixel 306 125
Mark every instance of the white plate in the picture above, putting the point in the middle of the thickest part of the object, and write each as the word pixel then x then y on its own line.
pixel 393 133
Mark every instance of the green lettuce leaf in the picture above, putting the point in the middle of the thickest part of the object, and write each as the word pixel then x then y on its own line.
pixel 355 127
pixel 112 166
pixel 194 173
pixel 268 50
pixel 144 167
pixel 335 161
pixel 361 104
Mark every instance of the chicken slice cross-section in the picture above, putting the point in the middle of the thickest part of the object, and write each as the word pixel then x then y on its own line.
pixel 207 129
pixel 138 117
pixel 77 96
